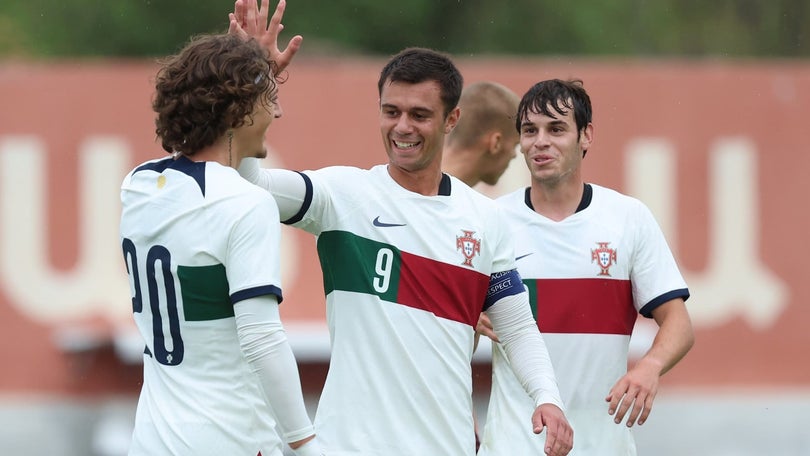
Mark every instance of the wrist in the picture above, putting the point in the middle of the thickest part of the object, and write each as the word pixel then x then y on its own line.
pixel 310 448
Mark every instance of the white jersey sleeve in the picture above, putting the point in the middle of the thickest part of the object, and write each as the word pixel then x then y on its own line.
pixel 513 322
pixel 264 344
pixel 654 274
pixel 290 189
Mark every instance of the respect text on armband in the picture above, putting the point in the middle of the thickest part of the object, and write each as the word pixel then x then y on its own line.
pixel 502 284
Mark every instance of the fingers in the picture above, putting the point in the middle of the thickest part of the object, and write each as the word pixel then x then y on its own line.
pixel 275 21
pixel 635 411
pixel 238 12
pixel 559 435
pixel 644 415
pixel 484 327
pixel 293 46
pixel 647 409
pixel 266 7
pixel 624 405
pixel 614 396
pixel 551 442
pixel 639 405
pixel 559 438
pixel 235 29
pixel 247 18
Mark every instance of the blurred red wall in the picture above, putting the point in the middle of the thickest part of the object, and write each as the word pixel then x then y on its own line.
pixel 716 150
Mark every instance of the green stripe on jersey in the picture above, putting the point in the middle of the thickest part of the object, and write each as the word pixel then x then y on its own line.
pixel 353 263
pixel 531 285
pixel 205 292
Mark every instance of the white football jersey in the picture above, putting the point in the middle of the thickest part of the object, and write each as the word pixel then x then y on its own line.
pixel 197 239
pixel 406 277
pixel 588 276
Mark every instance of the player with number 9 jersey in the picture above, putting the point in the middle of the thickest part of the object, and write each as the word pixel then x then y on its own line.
pixel 403 296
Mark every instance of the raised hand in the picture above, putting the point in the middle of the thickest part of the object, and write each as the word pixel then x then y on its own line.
pixel 248 20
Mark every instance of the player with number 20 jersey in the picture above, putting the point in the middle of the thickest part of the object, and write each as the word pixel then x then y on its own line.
pixel 199 391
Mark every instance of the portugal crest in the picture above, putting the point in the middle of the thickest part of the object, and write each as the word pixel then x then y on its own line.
pixel 605 256
pixel 469 246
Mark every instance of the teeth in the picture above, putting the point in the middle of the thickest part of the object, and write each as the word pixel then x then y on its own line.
pixel 405 145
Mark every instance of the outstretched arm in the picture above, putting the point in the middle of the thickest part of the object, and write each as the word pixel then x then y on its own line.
pixel 250 21
pixel 636 390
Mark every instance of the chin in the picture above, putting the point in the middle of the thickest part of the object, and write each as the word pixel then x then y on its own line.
pixel 261 153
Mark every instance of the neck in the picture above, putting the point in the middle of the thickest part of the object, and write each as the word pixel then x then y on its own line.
pixel 461 164
pixel 424 181
pixel 558 200
pixel 220 152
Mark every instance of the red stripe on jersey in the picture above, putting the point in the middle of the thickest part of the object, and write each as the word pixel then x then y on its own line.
pixel 448 291
pixel 590 306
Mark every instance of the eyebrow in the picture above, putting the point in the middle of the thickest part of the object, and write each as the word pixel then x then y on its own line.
pixel 419 109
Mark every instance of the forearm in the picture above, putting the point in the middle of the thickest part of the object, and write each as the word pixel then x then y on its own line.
pixel 674 339
pixel 528 356
pixel 266 349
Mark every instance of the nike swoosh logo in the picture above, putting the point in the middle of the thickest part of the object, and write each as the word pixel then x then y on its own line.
pixel 523 256
pixel 377 222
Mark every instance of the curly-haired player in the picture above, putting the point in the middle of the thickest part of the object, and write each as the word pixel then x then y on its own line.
pixel 202 252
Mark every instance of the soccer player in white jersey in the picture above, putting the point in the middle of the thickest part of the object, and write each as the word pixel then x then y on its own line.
pixel 410 257
pixel 202 253
pixel 592 259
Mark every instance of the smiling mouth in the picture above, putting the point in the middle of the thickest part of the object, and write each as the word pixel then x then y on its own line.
pixel 406 145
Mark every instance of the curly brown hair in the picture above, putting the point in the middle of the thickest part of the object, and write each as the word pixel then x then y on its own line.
pixel 210 86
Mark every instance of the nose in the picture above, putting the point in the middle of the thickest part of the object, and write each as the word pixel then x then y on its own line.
pixel 541 140
pixel 402 125
pixel 277 111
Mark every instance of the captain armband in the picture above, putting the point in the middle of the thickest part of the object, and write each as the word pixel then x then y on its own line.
pixel 503 284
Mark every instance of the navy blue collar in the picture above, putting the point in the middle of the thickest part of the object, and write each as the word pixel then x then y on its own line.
pixel 587 196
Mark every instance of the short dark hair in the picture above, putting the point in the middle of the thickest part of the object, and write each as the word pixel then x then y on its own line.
pixel 414 65
pixel 485 106
pixel 561 96
pixel 210 86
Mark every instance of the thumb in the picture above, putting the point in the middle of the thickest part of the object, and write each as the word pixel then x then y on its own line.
pixel 539 425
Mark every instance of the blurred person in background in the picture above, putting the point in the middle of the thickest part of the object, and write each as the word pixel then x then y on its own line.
pixel 484 140
pixel 410 258
pixel 201 246
pixel 592 259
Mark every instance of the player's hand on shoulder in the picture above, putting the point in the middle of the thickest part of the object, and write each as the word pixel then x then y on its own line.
pixel 559 434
